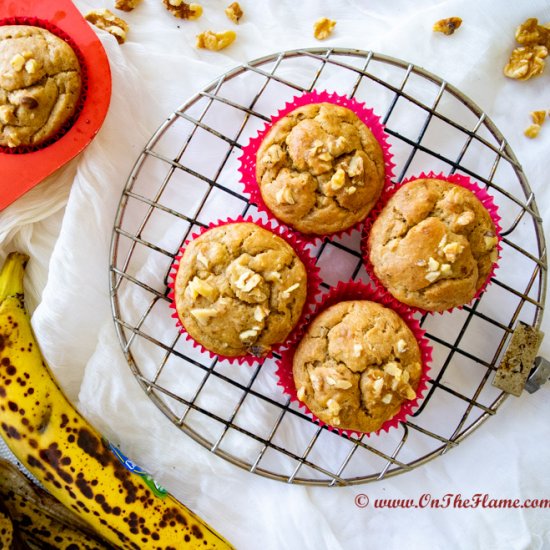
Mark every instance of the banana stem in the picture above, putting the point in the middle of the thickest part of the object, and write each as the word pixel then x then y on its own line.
pixel 11 276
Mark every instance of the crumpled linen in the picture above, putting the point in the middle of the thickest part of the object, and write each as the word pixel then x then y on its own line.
pixel 65 224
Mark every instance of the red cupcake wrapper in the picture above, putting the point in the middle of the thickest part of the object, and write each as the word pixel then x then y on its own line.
pixel 356 290
pixel 313 286
pixel 458 179
pixel 44 24
pixel 248 157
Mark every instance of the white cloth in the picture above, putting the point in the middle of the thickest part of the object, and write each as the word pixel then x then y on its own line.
pixel 66 222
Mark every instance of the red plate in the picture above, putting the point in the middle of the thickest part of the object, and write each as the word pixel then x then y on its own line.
pixel 20 172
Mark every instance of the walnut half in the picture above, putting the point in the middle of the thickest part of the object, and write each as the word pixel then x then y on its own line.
pixel 108 21
pixel 234 12
pixel 447 26
pixel 322 28
pixel 212 41
pixel 183 10
pixel 526 62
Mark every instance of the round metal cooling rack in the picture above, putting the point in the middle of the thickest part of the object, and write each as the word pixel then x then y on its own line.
pixel 187 177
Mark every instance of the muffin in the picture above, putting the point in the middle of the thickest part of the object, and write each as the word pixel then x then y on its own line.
pixel 433 245
pixel 356 365
pixel 320 169
pixel 40 85
pixel 239 289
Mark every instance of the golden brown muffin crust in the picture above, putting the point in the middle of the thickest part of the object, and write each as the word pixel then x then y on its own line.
pixel 40 84
pixel 433 245
pixel 356 365
pixel 320 169
pixel 240 289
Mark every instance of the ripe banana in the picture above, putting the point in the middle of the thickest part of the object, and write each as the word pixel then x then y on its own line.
pixel 39 519
pixel 68 456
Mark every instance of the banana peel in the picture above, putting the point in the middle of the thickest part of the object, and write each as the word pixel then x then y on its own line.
pixel 68 456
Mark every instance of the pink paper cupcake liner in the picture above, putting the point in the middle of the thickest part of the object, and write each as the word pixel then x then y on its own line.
pixel 248 158
pixel 42 23
pixel 356 290
pixel 458 179
pixel 313 286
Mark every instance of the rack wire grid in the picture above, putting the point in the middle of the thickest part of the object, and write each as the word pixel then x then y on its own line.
pixel 186 177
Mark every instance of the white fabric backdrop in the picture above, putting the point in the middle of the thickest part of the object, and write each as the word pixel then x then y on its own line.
pixel 65 225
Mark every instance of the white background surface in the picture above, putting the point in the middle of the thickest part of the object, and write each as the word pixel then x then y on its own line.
pixel 65 225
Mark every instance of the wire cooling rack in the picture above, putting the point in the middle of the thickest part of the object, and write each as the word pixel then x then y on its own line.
pixel 186 177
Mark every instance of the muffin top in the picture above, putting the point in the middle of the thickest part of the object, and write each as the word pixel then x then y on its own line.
pixel 320 169
pixel 356 365
pixel 239 289
pixel 433 245
pixel 40 84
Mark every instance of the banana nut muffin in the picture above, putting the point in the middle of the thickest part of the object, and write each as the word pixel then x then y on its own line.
pixel 240 289
pixel 40 84
pixel 433 245
pixel 320 169
pixel 356 365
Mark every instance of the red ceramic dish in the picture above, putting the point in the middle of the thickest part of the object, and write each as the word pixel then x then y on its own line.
pixel 19 172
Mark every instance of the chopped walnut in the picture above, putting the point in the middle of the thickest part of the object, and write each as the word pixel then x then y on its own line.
pixel 126 5
pixel 203 315
pixel 490 241
pixel 108 21
pixel 333 407
pixel 387 399
pixel 433 265
pixel 393 369
pixel 532 131
pixel 452 250
pixel 17 62
pixel 198 287
pixel 526 62
pixel 301 393
pixel 377 386
pixel 286 293
pixel 31 66
pixel 446 269
pixel 530 33
pixel 234 12
pixel 285 196
pixel 355 167
pixel 401 346
pixel 248 334
pixel 7 115
pixel 465 218
pixel 183 10
pixel 447 26
pixel 432 276
pixel 538 117
pixel 215 41
pixel 322 28
pixel 338 180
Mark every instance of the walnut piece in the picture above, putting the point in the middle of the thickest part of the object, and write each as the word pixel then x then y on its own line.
pixel 538 117
pixel 126 5
pixel 215 41
pixel 322 28
pixel 526 62
pixel 447 26
pixel 108 21
pixel 234 12
pixel 7 115
pixel 530 33
pixel 17 62
pixel 183 10
pixel 532 131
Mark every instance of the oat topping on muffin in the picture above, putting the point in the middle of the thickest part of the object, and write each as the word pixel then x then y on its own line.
pixel 40 84
pixel 320 169
pixel 433 245
pixel 356 365
pixel 240 289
